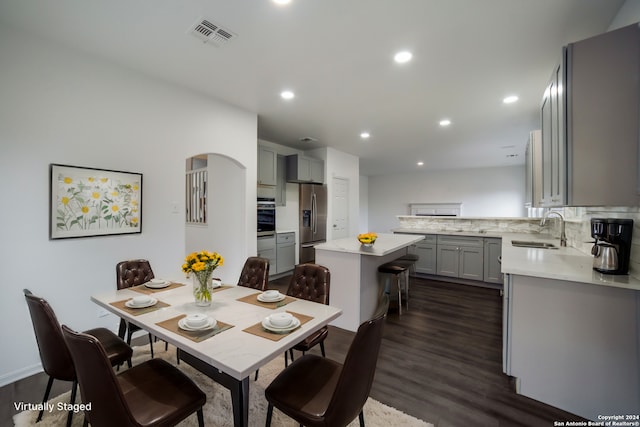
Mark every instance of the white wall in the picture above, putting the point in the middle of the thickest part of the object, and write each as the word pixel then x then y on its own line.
pixel 225 221
pixel 483 192
pixel 363 226
pixel 628 14
pixel 61 106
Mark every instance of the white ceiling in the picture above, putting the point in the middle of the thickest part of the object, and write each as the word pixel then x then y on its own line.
pixel 336 55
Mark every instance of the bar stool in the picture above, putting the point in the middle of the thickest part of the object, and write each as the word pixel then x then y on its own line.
pixel 410 257
pixel 396 268
pixel 411 260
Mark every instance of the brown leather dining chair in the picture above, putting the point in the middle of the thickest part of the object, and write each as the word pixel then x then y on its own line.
pixel 318 392
pixel 152 394
pixel 310 282
pixel 255 273
pixel 128 274
pixel 54 355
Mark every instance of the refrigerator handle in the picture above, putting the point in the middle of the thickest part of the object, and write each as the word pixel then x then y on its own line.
pixel 314 214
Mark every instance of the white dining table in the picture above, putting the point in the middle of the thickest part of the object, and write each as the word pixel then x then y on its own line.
pixel 231 356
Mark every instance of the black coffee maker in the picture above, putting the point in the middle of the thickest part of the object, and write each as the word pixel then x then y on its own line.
pixel 612 246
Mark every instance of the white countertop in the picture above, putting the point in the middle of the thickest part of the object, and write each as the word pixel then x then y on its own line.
pixel 385 244
pixel 560 264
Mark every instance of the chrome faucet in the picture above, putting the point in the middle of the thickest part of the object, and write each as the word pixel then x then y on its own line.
pixel 563 236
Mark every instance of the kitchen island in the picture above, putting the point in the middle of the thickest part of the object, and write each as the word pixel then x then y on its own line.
pixel 355 282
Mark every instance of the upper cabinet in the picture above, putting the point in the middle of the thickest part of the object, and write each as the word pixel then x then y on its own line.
pixel 281 186
pixel 533 178
pixel 305 169
pixel 553 141
pixel 590 123
pixel 267 166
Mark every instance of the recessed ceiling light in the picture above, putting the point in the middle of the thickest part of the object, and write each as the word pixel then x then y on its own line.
pixel 420 163
pixel 287 94
pixel 365 135
pixel 445 122
pixel 402 57
pixel 510 99
pixel 282 2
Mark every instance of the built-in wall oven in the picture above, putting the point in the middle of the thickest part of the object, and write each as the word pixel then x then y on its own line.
pixel 266 216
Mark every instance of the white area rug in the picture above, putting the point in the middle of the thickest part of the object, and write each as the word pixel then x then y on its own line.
pixel 217 410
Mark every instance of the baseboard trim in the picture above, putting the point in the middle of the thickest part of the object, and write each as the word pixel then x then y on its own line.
pixel 20 374
pixel 460 281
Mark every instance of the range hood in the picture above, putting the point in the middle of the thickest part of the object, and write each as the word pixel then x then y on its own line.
pixel 435 209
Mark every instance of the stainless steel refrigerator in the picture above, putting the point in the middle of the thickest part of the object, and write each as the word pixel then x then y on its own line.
pixel 313 219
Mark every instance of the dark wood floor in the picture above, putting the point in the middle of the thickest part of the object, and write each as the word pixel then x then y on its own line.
pixel 441 361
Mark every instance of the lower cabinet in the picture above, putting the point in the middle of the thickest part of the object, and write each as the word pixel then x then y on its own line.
pixel 267 249
pixel 463 257
pixel 286 252
pixel 426 251
pixel 573 345
pixel 460 256
pixel 492 260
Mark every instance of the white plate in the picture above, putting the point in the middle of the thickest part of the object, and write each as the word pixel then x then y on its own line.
pixel 262 298
pixel 157 285
pixel 269 327
pixel 211 323
pixel 131 304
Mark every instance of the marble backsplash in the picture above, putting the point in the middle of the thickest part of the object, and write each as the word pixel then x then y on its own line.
pixel 577 227
pixel 472 225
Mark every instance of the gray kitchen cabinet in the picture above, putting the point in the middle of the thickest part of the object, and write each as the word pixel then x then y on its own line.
pixel 460 256
pixel 589 153
pixel 305 169
pixel 573 345
pixel 492 259
pixel 426 251
pixel 533 177
pixel 286 252
pixel 554 167
pixel 281 181
pixel 317 171
pixel 267 165
pixel 267 249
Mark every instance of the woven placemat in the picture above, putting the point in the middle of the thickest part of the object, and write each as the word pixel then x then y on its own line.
pixel 139 311
pixel 196 336
pixel 253 299
pixel 144 290
pixel 260 331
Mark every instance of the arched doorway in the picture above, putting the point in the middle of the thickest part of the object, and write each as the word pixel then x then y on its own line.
pixel 215 210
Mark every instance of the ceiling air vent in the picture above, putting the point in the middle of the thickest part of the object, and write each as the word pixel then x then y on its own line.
pixel 308 139
pixel 208 31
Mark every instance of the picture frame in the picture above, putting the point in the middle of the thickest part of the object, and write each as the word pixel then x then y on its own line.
pixel 89 202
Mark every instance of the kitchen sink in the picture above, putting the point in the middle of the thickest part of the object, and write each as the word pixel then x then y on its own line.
pixel 531 244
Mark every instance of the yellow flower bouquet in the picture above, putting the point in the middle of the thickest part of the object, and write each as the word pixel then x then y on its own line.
pixel 367 239
pixel 201 265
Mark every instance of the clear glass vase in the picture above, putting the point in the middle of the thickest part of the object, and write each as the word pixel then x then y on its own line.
pixel 202 287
